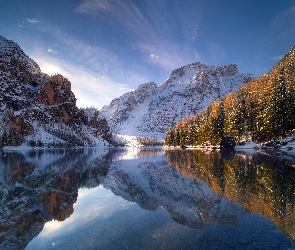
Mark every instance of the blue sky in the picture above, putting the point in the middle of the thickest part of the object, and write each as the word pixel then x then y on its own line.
pixel 108 47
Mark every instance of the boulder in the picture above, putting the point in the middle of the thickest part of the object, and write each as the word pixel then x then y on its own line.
pixel 227 142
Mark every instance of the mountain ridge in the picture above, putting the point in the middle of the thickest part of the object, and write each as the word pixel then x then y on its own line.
pixel 40 110
pixel 187 91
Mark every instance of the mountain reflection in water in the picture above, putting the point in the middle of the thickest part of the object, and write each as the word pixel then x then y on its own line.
pixel 261 183
pixel 198 189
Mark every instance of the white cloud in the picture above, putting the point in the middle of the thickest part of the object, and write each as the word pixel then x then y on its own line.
pixel 90 89
pixel 281 28
pixel 33 20
pixel 51 51
pixel 154 56
pixel 104 204
pixel 169 55
pixel 95 58
pixel 122 13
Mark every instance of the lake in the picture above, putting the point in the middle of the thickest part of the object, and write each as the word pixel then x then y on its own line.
pixel 146 198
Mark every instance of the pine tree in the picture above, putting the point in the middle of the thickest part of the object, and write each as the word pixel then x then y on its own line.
pixel 276 107
pixel 195 133
pixel 281 110
pixel 218 116
pixel 170 137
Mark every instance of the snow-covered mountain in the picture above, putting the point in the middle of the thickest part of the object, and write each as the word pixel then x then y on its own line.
pixel 150 110
pixel 40 110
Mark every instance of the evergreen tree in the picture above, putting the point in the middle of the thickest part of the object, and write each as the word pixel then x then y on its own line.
pixel 218 117
pixel 170 137
pixel 281 105
pixel 264 107
pixel 275 113
pixel 195 134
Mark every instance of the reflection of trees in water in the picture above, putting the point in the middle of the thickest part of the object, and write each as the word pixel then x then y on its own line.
pixel 261 183
pixel 34 192
pixel 149 152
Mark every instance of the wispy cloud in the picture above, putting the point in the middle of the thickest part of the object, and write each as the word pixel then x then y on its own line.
pixel 287 18
pixel 276 58
pixel 216 52
pixel 94 57
pixel 33 20
pixel 153 32
pixel 168 55
pixel 155 56
pixel 122 13
pixel 282 27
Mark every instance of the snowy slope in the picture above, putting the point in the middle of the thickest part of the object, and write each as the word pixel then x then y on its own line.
pixel 38 110
pixel 150 110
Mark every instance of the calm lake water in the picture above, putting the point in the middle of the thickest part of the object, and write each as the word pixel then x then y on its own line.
pixel 146 199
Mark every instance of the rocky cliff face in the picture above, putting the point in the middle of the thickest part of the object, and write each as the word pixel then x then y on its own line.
pixel 41 110
pixel 150 110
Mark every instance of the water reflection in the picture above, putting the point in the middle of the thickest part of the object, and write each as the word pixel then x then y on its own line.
pixel 37 187
pixel 152 184
pixel 260 182
pixel 202 190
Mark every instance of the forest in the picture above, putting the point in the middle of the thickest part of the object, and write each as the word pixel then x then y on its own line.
pixel 262 110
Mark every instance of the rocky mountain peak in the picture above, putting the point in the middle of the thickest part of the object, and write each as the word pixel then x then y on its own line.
pixel 199 72
pixel 230 69
pixel 150 110
pixel 16 62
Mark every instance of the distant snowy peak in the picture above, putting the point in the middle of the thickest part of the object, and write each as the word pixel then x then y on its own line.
pixel 150 110
pixel 226 77
pixel 189 71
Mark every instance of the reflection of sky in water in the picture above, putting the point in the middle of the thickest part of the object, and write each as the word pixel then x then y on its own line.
pixel 92 205
pixel 188 213
pixel 102 220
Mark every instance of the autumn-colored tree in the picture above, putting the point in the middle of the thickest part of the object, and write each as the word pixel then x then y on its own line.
pixel 264 106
